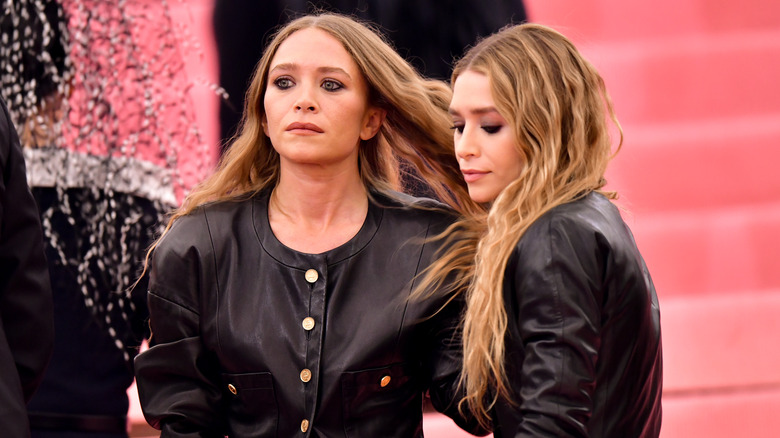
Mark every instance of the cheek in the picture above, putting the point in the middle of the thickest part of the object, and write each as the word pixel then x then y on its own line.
pixel 267 112
pixel 351 119
pixel 508 157
pixel 273 102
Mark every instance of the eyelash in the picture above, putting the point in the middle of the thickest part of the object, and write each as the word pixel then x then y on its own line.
pixel 336 85
pixel 490 129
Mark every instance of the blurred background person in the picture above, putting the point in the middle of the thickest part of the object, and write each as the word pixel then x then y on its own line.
pixel 99 94
pixel 26 320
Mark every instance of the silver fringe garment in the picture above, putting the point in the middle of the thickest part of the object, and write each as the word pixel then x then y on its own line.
pixel 99 93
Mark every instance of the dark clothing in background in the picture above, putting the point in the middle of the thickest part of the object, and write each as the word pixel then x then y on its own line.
pixel 429 34
pixel 26 310
pixel 86 364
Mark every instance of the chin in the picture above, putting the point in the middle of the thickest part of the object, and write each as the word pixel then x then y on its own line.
pixel 480 196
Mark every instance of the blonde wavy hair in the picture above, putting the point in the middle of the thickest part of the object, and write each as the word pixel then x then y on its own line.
pixel 557 104
pixel 415 129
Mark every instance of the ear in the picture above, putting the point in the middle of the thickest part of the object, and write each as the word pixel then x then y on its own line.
pixel 264 124
pixel 372 122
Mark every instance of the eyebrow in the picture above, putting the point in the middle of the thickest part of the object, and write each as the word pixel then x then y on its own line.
pixel 477 111
pixel 325 69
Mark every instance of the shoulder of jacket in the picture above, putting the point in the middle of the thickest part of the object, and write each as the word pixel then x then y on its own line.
pixel 586 214
pixel 199 226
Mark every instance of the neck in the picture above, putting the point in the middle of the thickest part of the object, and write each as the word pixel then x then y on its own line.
pixel 312 212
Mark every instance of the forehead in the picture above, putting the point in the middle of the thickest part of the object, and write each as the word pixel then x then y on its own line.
pixel 313 47
pixel 471 90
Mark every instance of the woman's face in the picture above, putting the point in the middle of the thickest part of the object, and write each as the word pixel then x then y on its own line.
pixel 316 102
pixel 484 143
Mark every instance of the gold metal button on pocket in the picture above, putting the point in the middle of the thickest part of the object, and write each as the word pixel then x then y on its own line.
pixel 308 323
pixel 304 426
pixel 232 389
pixel 305 375
pixel 385 381
pixel 312 275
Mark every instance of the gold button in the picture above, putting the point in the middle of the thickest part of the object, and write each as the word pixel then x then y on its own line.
pixel 312 275
pixel 304 426
pixel 232 389
pixel 305 375
pixel 308 323
pixel 385 381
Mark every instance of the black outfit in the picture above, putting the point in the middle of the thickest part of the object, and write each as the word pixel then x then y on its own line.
pixel 84 391
pixel 584 336
pixel 429 34
pixel 26 310
pixel 253 339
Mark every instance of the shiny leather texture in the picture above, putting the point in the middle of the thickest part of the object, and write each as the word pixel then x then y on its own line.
pixel 232 355
pixel 584 335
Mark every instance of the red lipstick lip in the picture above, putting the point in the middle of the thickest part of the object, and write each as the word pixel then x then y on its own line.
pixel 305 126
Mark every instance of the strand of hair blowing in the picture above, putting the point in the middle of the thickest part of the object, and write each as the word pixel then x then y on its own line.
pixel 416 126
pixel 565 146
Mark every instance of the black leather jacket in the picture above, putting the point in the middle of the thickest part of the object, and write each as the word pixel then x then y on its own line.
pixel 253 339
pixel 584 336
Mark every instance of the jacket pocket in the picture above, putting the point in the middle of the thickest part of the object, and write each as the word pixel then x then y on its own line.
pixel 252 407
pixel 381 402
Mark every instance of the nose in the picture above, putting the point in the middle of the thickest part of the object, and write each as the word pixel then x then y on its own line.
pixel 466 144
pixel 306 106
pixel 306 101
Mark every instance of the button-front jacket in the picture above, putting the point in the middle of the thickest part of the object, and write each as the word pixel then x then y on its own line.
pixel 253 339
pixel 583 346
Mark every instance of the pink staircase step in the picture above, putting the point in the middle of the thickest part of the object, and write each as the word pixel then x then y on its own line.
pixel 721 344
pixel 436 425
pixel 621 20
pixel 711 251
pixel 751 414
pixel 688 166
pixel 721 374
pixel 672 80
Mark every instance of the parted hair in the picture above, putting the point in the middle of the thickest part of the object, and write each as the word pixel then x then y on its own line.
pixel 415 129
pixel 558 107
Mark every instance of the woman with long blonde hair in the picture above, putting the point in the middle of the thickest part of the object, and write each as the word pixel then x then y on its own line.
pixel 561 334
pixel 278 292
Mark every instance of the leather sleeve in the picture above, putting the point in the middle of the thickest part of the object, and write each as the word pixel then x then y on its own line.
pixel 445 354
pixel 553 292
pixel 26 306
pixel 446 358
pixel 178 380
